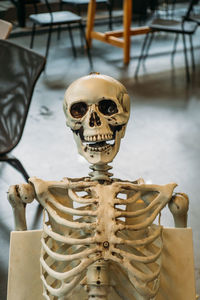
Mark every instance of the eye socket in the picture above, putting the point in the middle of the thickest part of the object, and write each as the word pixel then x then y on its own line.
pixel 78 110
pixel 107 107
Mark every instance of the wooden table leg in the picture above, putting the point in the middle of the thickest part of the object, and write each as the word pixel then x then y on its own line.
pixel 127 8
pixel 90 20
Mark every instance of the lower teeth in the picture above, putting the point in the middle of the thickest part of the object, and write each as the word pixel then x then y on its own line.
pixel 99 149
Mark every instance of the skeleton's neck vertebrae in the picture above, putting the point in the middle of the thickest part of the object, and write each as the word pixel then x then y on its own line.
pixel 100 172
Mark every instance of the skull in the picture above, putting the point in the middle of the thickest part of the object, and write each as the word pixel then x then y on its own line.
pixel 97 110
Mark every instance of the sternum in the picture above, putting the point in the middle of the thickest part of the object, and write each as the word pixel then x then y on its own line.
pixel 106 212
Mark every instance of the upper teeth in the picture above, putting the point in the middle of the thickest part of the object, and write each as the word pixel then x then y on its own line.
pixel 98 137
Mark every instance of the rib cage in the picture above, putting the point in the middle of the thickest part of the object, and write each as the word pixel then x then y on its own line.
pixel 81 230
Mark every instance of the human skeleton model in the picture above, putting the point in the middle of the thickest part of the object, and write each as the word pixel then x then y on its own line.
pixel 98 232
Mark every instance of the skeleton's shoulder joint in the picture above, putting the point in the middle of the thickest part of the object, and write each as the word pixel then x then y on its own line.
pixel 179 206
pixel 21 193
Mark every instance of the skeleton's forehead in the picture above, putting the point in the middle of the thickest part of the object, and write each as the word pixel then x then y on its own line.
pixel 93 87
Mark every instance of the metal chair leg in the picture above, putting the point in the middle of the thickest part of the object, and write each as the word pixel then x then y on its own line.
pixel 148 46
pixel 32 35
pixel 110 6
pixel 141 55
pixel 15 163
pixel 48 41
pixel 58 32
pixel 192 53
pixel 186 59
pixel 72 40
pixel 174 49
pixel 59 26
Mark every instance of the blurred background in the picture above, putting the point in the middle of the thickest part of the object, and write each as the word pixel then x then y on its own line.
pixel 162 141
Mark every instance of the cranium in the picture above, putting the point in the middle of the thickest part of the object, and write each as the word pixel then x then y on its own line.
pixel 97 110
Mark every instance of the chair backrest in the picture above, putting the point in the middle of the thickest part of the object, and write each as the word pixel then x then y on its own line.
pixel 5 29
pixel 19 70
pixel 45 3
pixel 189 10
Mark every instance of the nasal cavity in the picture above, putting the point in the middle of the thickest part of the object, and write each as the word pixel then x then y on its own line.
pixel 94 120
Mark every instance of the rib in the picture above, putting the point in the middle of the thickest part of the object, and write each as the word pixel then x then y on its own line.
pixel 68 274
pixel 144 224
pixel 130 200
pixel 78 199
pixel 142 242
pixel 68 240
pixel 139 212
pixel 67 223
pixel 65 257
pixel 143 289
pixel 64 289
pixel 71 211
pixel 140 275
pixel 137 258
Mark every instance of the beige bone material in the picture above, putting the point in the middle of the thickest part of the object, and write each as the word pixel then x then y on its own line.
pixel 96 224
pixel 103 231
pixel 97 111
pixel 179 207
pixel 18 196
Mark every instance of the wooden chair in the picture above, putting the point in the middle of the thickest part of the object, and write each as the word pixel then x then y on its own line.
pixel 5 29
pixel 19 71
pixel 117 38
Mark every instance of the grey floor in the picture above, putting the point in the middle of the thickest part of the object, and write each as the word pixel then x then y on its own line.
pixel 162 142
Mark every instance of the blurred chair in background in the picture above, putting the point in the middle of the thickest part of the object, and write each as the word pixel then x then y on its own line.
pixel 19 71
pixel 5 29
pixel 79 3
pixel 194 16
pixel 177 27
pixel 58 18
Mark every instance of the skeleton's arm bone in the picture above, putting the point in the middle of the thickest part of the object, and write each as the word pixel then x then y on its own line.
pixel 178 206
pixel 19 196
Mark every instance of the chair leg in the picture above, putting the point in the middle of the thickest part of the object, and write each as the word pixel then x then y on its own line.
pixel 174 48
pixel 15 163
pixel 82 34
pixel 32 35
pixel 58 32
pixel 110 6
pixel 59 27
pixel 148 46
pixel 186 59
pixel 87 45
pixel 78 9
pixel 72 40
pixel 192 52
pixel 48 41
pixel 141 55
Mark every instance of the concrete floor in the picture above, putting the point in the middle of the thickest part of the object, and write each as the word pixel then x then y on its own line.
pixel 162 142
